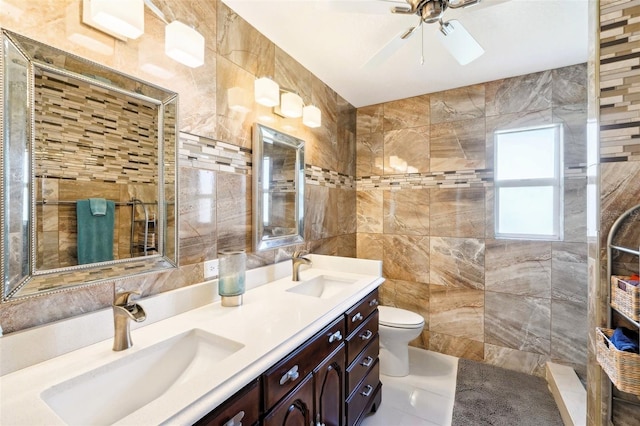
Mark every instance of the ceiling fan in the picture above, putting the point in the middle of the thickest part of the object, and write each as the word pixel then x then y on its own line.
pixel 453 35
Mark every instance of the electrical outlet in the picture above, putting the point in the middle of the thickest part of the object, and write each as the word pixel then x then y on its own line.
pixel 211 268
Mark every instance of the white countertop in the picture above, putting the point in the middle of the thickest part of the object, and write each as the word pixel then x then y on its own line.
pixel 270 324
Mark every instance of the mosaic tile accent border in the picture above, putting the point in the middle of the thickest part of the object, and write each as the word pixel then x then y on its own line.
pixel 619 100
pixel 318 176
pixel 454 179
pixel 210 154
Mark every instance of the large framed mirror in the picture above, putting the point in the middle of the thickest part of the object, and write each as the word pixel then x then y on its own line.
pixel 89 171
pixel 278 188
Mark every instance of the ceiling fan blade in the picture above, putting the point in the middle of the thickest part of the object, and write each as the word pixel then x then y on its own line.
pixel 457 40
pixel 481 4
pixel 382 55
pixel 369 7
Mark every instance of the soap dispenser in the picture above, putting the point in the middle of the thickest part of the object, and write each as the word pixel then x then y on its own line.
pixel 231 278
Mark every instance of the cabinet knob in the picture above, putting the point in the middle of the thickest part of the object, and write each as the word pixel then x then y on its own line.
pixel 374 302
pixel 367 362
pixel 367 335
pixel 236 420
pixel 335 337
pixel 290 375
pixel 357 317
pixel 367 390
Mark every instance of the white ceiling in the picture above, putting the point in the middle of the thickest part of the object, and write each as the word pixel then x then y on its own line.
pixel 334 39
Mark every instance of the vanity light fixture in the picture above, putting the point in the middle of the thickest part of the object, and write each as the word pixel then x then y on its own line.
pixel 238 100
pixel 291 105
pixel 266 92
pixel 122 19
pixel 184 44
pixel 311 116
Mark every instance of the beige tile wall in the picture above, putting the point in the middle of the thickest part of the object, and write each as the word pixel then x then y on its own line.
pixel 425 207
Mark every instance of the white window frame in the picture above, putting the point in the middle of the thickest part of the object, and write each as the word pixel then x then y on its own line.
pixel 557 182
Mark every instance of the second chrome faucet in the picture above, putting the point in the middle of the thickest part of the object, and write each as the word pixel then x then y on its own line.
pixel 298 260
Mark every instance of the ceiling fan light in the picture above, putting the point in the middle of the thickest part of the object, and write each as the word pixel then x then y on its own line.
pixel 311 116
pixel 122 17
pixel 457 40
pixel 291 105
pixel 184 44
pixel 266 92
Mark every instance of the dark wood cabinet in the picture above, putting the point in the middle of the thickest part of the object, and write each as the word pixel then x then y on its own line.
pixel 329 390
pixel 296 409
pixel 241 409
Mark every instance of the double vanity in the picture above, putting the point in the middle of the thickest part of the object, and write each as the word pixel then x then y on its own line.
pixel 295 351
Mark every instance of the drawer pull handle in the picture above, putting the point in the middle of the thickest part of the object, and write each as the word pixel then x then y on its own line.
pixel 357 317
pixel 367 362
pixel 367 390
pixel 290 375
pixel 367 335
pixel 235 421
pixel 335 337
pixel 374 302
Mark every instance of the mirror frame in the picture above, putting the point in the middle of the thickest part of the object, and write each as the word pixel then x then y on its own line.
pixel 261 135
pixel 34 282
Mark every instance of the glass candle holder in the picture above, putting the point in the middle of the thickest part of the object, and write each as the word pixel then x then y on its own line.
pixel 231 279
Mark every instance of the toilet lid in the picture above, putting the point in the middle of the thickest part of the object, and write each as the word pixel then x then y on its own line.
pixel 399 318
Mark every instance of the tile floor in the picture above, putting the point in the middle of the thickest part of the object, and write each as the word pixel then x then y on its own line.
pixel 423 398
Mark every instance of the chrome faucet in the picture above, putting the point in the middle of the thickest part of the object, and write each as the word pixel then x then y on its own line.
pixel 298 260
pixel 124 310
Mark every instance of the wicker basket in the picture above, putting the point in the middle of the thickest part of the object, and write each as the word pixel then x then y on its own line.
pixel 623 368
pixel 625 298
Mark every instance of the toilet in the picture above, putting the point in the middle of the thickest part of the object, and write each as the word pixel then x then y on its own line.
pixel 397 327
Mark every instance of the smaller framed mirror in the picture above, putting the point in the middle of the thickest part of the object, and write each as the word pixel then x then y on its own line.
pixel 278 189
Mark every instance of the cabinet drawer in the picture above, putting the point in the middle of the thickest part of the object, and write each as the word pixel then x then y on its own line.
pixel 358 313
pixel 242 408
pixel 363 362
pixel 286 374
pixel 361 337
pixel 296 408
pixel 358 401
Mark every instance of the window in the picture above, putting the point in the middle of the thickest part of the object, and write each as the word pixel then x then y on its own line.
pixel 528 183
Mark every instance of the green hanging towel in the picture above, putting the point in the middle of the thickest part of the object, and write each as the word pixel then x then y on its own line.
pixel 95 232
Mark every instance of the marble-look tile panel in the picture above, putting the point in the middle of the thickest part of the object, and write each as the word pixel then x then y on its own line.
pixel 528 92
pixel 569 332
pixel 569 85
pixel 326 246
pixel 404 113
pixel 322 143
pixel 406 257
pixel 369 155
pixel 574 124
pixel 369 246
pixel 575 210
pixel 409 295
pixel 320 212
pixel 569 272
pixel 457 212
pixel 518 267
pixel 513 359
pixel 518 322
pixel 464 103
pixel 406 150
pixel 370 119
pixel 169 280
pixel 242 44
pixel 290 74
pixel 490 220
pixel 19 314
pixel 256 259
pixel 347 245
pixel 619 191
pixel 516 120
pixel 406 212
pixel 197 230
pixel 346 149
pixel 457 262
pixel 233 211
pixel 457 312
pixel 370 211
pixel 458 145
pixel 233 126
pixel 346 213
pixel 456 346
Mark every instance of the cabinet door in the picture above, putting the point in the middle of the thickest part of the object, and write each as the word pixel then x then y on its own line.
pixel 241 409
pixel 295 409
pixel 329 386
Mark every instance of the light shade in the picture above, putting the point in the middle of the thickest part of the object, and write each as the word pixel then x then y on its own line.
pixel 184 44
pixel 291 105
pixel 457 40
pixel 266 92
pixel 123 17
pixel 238 100
pixel 311 116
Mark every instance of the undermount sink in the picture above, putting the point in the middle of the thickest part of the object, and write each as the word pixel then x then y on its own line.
pixel 113 391
pixel 322 286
